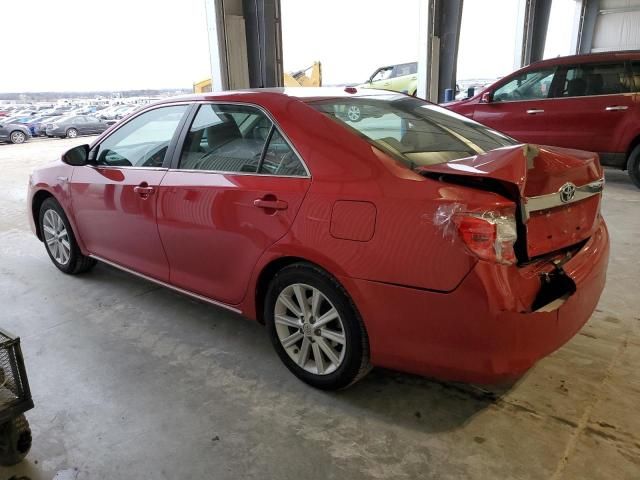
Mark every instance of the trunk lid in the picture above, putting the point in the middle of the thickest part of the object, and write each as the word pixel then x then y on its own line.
pixel 557 190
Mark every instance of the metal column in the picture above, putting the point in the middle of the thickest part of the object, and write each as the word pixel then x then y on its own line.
pixel 264 42
pixel 439 36
pixel 534 30
pixel 590 11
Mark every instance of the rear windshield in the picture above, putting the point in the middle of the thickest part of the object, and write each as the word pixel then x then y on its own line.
pixel 414 131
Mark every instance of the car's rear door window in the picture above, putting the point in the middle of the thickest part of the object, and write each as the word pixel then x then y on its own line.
pixel 592 79
pixel 237 138
pixel 142 141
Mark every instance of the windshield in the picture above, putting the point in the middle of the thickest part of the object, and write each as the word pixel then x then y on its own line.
pixel 417 132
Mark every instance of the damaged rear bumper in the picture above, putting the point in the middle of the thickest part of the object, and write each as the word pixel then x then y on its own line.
pixel 486 330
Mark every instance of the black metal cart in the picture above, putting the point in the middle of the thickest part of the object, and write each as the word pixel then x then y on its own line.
pixel 15 399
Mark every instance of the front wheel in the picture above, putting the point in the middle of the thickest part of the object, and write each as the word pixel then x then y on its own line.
pixel 315 328
pixel 60 241
pixel 72 133
pixel 633 166
pixel 18 137
pixel 15 441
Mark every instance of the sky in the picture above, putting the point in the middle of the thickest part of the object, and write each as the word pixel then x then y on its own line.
pixel 85 45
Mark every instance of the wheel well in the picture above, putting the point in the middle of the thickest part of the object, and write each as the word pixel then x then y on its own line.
pixel 634 144
pixel 36 203
pixel 266 275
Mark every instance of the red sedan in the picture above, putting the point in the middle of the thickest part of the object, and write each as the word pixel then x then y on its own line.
pixel 413 239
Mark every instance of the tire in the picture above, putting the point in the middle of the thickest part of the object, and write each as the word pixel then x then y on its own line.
pixel 345 336
pixel 59 240
pixel 16 441
pixel 633 166
pixel 72 133
pixel 17 137
pixel 354 113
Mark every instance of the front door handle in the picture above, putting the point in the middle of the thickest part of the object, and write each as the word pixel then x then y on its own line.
pixel 615 108
pixel 144 190
pixel 534 111
pixel 270 203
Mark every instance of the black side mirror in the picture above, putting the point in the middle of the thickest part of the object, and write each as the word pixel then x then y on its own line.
pixel 77 156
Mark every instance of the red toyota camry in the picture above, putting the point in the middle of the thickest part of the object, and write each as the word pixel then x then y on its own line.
pixel 413 238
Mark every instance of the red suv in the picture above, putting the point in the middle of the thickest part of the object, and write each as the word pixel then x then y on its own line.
pixel 588 102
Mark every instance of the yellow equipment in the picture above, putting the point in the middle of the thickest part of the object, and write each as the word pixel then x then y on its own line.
pixel 293 79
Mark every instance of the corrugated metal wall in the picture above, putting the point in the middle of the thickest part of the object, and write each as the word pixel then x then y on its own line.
pixel 617 26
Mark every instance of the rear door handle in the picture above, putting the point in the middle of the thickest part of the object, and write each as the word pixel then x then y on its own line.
pixel 615 108
pixel 144 190
pixel 534 111
pixel 270 204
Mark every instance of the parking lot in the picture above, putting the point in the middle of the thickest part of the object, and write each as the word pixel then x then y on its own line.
pixel 107 345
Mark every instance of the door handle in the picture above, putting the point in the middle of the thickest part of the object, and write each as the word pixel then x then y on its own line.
pixel 615 108
pixel 144 190
pixel 534 111
pixel 270 203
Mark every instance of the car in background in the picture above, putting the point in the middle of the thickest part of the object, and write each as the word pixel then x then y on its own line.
pixel 401 78
pixel 588 102
pixel 74 125
pixel 416 239
pixel 13 132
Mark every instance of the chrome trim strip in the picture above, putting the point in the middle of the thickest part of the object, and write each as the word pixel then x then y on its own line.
pixel 552 200
pixel 221 172
pixel 163 284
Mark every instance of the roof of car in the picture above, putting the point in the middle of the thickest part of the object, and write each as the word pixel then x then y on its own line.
pixel 588 57
pixel 303 93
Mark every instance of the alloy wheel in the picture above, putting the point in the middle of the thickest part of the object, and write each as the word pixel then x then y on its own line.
pixel 72 133
pixel 56 237
pixel 310 329
pixel 17 137
pixel 353 112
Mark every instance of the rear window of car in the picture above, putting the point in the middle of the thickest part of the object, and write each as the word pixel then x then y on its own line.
pixel 412 130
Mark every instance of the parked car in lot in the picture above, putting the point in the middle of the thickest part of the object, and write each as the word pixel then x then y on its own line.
pixel 400 78
pixel 13 132
pixel 590 102
pixel 415 239
pixel 73 125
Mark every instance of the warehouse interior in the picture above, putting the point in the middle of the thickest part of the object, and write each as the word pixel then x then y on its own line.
pixel 133 380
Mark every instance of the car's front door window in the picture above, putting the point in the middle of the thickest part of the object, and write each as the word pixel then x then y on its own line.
pixel 531 85
pixel 143 141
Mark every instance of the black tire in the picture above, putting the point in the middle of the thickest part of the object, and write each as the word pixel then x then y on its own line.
pixel 77 262
pixel 71 133
pixel 633 166
pixel 16 441
pixel 355 364
pixel 17 137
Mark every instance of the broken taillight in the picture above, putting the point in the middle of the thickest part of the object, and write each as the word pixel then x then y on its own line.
pixel 489 235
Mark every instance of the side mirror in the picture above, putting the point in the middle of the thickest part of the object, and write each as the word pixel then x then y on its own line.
pixel 487 97
pixel 77 156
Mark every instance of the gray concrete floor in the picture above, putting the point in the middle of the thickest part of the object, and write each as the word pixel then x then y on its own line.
pixel 134 381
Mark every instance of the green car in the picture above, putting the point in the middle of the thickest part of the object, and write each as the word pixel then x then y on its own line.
pixel 399 78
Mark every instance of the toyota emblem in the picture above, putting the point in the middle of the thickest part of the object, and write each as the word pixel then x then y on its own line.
pixel 567 192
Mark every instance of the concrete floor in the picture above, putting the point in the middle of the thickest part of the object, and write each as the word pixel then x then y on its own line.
pixel 134 381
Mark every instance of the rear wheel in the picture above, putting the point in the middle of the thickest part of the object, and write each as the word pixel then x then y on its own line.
pixel 72 133
pixel 15 441
pixel 353 113
pixel 18 137
pixel 60 241
pixel 315 328
pixel 633 166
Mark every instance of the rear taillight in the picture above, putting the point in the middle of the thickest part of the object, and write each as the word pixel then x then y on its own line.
pixel 489 235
